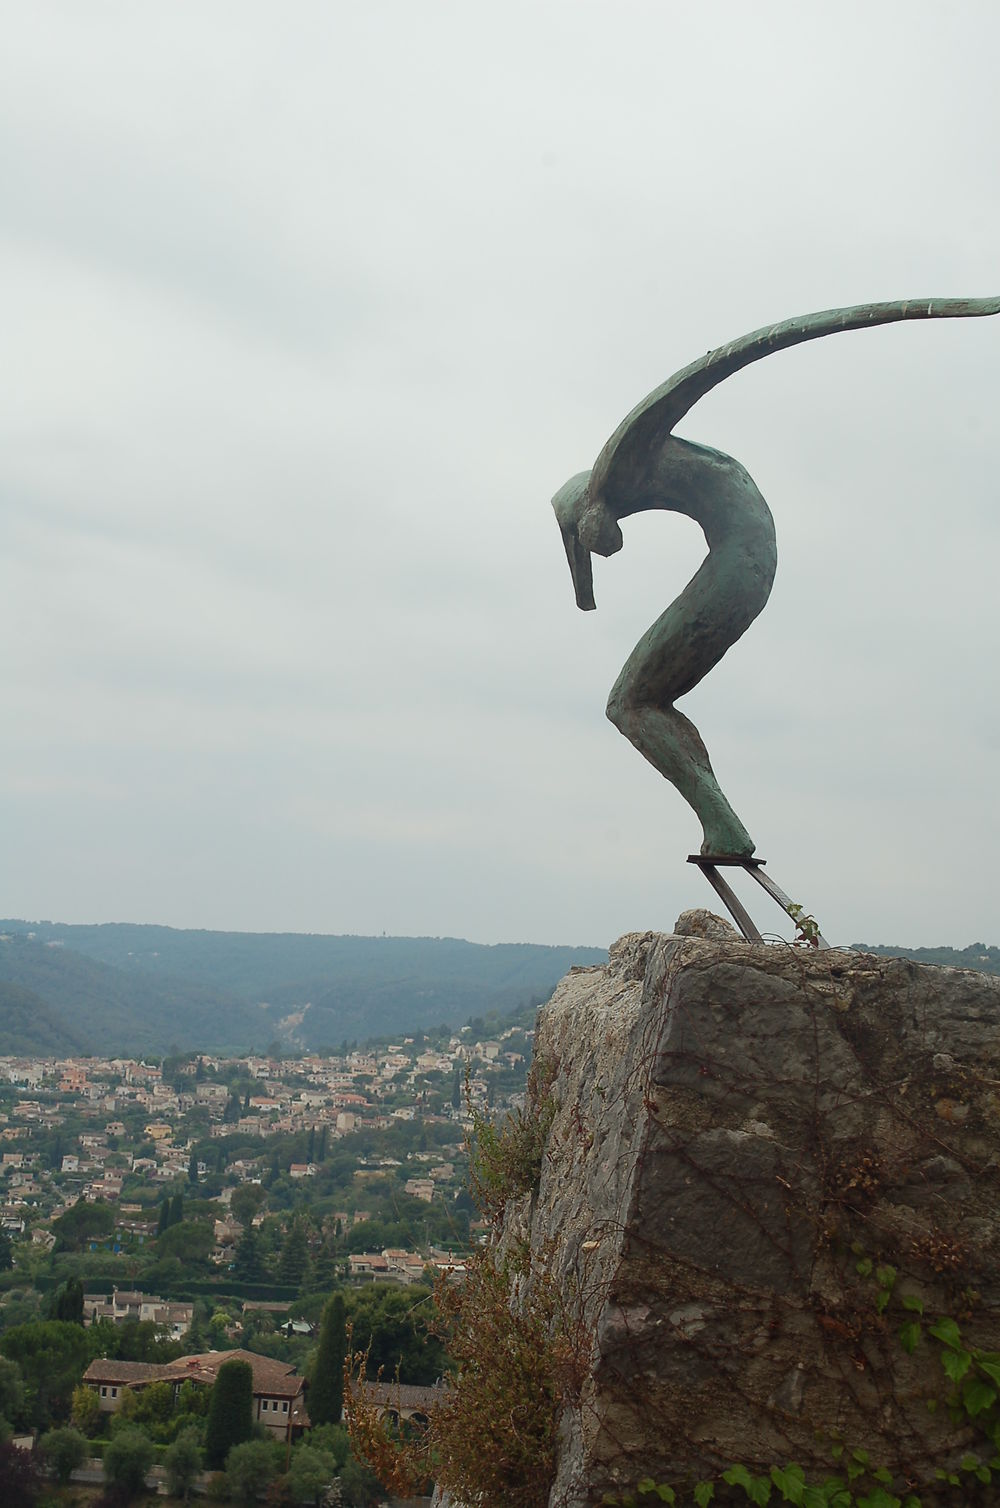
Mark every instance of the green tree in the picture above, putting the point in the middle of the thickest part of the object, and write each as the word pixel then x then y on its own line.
pixel 6 1252
pixel 192 1398
pixel 164 1219
pixel 326 1390
pixel 176 1210
pixel 63 1450
pixel 391 1321
pixel 128 1456
pixel 360 1486
pixel 310 1472
pixel 83 1223
pixel 182 1463
pixel 249 1468
pixel 68 1304
pixel 246 1201
pixel 230 1412
pixel 85 1409
pixel 332 1439
pixel 51 1355
pixel 193 1169
pixel 294 1257
pixel 323 1273
pixel 247 1264
pixel 11 1391
pixel 191 1241
pixel 155 1407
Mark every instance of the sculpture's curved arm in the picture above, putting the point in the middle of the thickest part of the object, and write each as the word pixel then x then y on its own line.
pixel 642 431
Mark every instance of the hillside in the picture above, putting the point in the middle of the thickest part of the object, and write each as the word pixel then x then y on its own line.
pixel 979 956
pixel 127 988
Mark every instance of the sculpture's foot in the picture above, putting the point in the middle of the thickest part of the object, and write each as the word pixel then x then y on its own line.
pixel 729 839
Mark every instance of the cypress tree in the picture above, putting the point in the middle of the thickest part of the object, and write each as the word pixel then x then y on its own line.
pixel 324 1269
pixel 193 1169
pixel 294 1257
pixel 69 1302
pixel 164 1219
pixel 230 1412
pixel 246 1263
pixel 326 1389
pixel 176 1210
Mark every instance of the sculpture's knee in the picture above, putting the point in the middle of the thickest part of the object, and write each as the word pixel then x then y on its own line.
pixel 620 709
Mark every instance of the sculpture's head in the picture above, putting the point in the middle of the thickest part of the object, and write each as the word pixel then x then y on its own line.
pixel 588 527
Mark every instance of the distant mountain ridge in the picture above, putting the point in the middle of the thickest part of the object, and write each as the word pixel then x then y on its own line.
pixel 127 988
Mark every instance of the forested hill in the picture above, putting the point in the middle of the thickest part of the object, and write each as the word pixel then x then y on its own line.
pixel 985 959
pixel 121 988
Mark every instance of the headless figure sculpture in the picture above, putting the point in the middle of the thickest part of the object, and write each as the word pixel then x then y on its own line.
pixel 644 466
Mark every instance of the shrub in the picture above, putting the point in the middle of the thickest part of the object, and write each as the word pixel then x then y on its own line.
pixel 506 1160
pixel 519 1356
pixel 249 1468
pixel 182 1462
pixel 127 1458
pixel 62 1451
pixel 311 1470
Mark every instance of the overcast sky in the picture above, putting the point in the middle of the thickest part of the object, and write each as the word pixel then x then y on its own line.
pixel 308 308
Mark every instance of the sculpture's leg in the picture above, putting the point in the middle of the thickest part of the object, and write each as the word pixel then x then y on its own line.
pixel 673 745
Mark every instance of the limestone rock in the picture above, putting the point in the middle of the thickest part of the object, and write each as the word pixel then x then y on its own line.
pixel 701 923
pixel 739 1127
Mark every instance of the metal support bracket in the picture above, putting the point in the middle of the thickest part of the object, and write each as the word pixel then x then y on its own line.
pixel 710 864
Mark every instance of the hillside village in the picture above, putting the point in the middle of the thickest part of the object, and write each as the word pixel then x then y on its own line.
pixel 337 1156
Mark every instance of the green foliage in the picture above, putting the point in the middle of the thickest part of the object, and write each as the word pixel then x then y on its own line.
pixel 246 1201
pixel 518 1357
pixel 807 932
pixel 359 1484
pixel 85 1409
pixel 6 1252
pixel 182 1463
pixel 294 1256
pixel 190 1241
pixel 51 1355
pixel 67 1304
pixel 506 1161
pixel 311 1470
pixel 390 1324
pixel 128 1456
pixel 230 1413
pixel 249 1468
pixel 326 1391
pixel 83 1223
pixel 11 1391
pixel 331 1439
pixel 62 1451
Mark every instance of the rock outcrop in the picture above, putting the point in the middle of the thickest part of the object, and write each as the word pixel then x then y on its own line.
pixel 764 1162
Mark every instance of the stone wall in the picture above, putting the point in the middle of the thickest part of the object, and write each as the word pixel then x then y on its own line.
pixel 745 1137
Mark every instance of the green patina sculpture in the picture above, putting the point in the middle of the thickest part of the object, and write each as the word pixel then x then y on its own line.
pixel 645 466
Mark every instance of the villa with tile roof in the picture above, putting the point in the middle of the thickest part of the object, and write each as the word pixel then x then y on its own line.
pixel 278 1392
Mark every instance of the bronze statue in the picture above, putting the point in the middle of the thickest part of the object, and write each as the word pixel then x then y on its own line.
pixel 645 466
